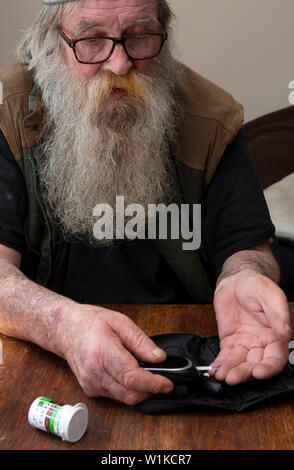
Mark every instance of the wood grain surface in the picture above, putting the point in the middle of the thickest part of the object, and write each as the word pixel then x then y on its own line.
pixel 28 372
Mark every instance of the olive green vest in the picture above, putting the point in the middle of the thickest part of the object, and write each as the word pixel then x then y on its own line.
pixel 210 119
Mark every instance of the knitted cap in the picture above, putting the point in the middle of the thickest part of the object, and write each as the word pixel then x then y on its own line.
pixel 56 2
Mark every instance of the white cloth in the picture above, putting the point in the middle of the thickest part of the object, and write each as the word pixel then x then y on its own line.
pixel 280 201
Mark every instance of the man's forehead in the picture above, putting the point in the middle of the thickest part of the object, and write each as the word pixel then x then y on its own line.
pixel 116 11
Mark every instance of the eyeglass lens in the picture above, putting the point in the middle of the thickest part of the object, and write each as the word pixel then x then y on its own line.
pixel 99 49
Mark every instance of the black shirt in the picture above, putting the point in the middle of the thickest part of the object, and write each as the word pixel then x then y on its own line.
pixel 234 217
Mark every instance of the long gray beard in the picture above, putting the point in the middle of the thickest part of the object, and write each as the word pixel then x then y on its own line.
pixel 95 153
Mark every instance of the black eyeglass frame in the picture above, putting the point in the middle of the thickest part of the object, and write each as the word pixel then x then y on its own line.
pixel 73 42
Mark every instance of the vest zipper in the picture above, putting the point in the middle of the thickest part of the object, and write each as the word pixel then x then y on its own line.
pixel 45 216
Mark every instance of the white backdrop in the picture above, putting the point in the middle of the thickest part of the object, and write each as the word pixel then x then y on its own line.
pixel 245 46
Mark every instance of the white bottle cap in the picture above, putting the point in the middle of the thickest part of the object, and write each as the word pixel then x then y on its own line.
pixel 73 422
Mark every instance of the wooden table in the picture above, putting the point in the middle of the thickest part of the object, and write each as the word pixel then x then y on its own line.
pixel 28 372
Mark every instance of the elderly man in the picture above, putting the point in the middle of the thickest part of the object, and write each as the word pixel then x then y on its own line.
pixel 98 107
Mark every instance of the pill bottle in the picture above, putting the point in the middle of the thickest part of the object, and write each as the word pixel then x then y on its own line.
pixel 66 421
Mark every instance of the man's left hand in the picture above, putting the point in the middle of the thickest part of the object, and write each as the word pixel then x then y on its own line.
pixel 254 328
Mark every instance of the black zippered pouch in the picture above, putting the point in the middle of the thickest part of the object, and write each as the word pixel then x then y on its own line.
pixel 206 392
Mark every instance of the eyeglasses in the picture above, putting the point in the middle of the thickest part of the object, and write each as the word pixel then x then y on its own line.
pixel 95 50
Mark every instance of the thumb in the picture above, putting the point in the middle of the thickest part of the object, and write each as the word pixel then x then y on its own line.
pixel 136 341
pixel 276 308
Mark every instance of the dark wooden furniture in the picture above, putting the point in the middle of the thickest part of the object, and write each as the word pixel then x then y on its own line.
pixel 28 372
pixel 270 139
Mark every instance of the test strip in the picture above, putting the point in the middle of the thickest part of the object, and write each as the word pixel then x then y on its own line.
pixel 207 367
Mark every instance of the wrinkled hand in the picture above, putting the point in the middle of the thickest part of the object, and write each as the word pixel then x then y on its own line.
pixel 254 328
pixel 100 345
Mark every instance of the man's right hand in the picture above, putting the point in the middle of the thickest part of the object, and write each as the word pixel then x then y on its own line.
pixel 100 345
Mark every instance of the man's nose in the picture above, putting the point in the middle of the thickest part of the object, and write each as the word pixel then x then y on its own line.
pixel 119 63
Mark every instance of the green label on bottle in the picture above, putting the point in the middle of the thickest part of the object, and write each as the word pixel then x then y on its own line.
pixel 44 400
pixel 52 419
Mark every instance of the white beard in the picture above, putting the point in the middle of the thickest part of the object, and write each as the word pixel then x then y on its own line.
pixel 96 151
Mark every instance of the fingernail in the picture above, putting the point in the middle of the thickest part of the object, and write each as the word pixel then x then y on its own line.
pixel 288 328
pixel 159 353
pixel 167 389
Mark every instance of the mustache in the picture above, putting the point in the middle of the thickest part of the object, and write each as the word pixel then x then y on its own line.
pixel 100 86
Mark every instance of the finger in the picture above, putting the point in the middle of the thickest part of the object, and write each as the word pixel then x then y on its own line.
pixel 222 355
pixel 99 384
pixel 255 355
pixel 228 359
pixel 124 369
pixel 241 373
pixel 274 360
pixel 276 309
pixel 235 375
pixel 136 340
pixel 111 389
pixel 144 381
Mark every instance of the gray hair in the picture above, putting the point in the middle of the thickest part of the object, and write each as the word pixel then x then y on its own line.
pixel 41 39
